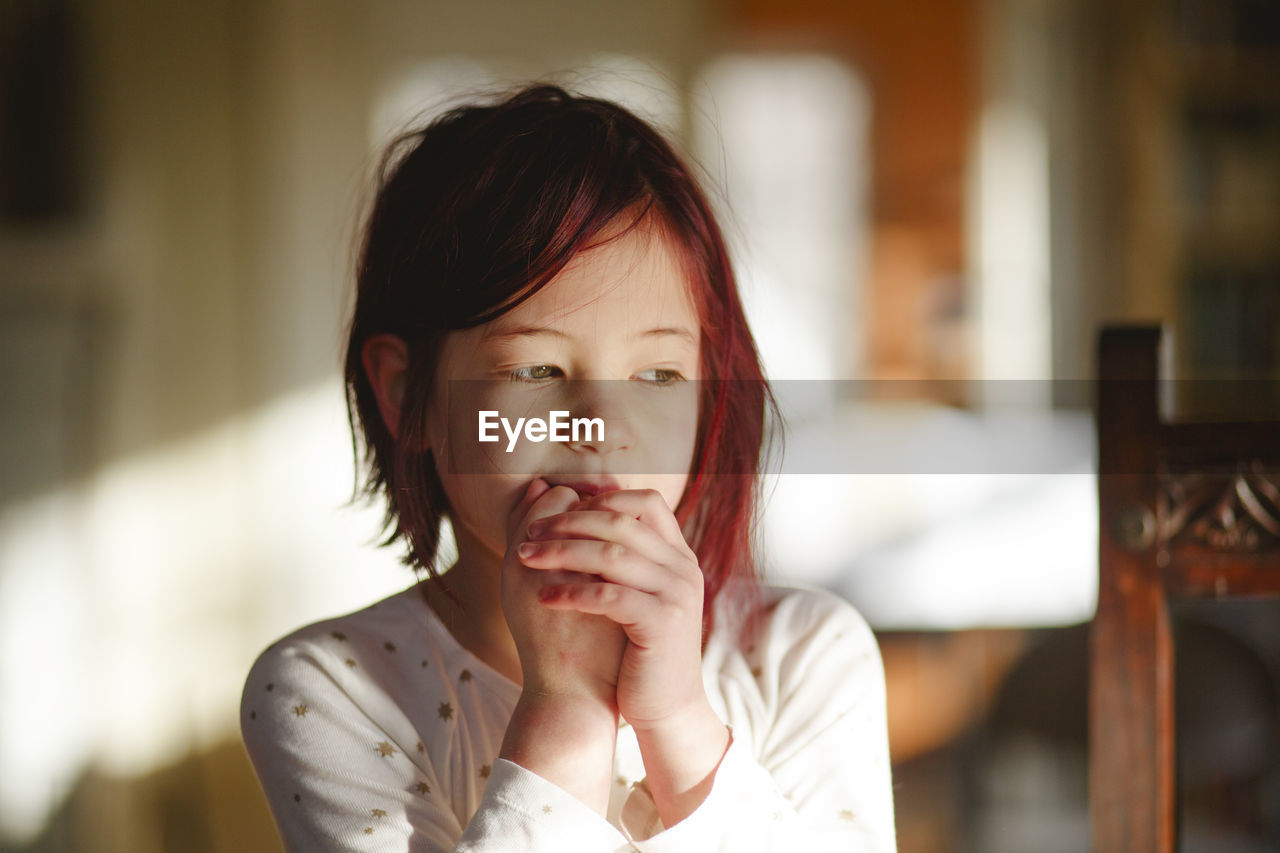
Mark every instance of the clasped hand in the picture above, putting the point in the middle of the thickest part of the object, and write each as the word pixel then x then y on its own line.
pixel 604 601
pixel 604 593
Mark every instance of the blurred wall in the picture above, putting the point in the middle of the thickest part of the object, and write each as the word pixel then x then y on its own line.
pixel 174 449
pixel 924 70
pixel 230 152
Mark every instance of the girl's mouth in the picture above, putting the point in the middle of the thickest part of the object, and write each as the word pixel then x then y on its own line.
pixel 588 488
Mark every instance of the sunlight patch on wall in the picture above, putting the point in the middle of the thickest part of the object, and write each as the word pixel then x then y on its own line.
pixel 1011 194
pixel 131 607
pixel 641 85
pixel 423 91
pixel 428 88
pixel 48 698
pixel 786 136
pixel 945 551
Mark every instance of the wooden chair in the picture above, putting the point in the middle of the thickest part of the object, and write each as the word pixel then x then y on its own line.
pixel 1187 510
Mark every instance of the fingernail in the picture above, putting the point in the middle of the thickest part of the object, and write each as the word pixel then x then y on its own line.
pixel 527 548
pixel 537 528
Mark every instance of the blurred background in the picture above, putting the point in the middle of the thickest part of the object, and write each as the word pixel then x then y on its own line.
pixel 946 193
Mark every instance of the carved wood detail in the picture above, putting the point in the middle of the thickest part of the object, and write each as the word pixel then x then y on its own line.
pixel 1235 513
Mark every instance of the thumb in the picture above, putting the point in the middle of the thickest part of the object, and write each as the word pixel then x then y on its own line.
pixel 537 488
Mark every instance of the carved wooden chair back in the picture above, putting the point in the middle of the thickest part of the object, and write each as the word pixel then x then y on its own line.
pixel 1187 510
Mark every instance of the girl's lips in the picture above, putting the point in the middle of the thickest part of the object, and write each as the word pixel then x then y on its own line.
pixel 586 488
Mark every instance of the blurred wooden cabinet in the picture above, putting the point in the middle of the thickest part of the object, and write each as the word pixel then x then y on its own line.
pixel 1197 176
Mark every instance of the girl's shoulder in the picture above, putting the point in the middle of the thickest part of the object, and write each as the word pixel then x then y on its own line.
pixel 795 620
pixel 800 604
pixel 796 660
pixel 390 635
pixel 373 623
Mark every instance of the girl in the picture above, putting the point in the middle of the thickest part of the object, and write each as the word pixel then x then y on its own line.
pixel 599 670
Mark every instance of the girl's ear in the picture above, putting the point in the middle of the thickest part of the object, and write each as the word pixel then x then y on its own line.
pixel 386 363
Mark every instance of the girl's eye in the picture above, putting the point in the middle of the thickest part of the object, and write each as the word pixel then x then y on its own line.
pixel 661 376
pixel 535 373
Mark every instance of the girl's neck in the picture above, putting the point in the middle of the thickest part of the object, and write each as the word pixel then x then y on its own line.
pixel 468 602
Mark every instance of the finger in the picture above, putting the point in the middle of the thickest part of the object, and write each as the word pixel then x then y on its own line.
pixel 536 489
pixel 550 501
pixel 645 505
pixel 607 560
pixel 609 526
pixel 625 605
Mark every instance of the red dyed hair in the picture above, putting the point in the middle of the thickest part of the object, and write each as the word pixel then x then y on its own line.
pixel 480 209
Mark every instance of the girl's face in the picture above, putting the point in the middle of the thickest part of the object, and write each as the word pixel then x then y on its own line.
pixel 614 336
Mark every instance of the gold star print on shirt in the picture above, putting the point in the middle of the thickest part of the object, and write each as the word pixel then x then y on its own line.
pixel 363 690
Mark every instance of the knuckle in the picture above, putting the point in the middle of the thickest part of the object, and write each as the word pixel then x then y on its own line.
pixel 671 619
pixel 686 572
pixel 693 596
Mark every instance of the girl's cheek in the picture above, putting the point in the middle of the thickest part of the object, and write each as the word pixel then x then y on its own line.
pixel 483 503
pixel 671 487
pixel 674 436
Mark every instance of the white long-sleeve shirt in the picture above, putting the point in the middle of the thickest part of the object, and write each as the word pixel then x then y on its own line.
pixel 377 731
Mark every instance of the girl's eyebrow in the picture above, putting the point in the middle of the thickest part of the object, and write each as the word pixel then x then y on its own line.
pixel 534 331
pixel 523 331
pixel 677 331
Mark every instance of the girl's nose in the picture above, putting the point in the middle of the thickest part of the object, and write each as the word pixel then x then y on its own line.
pixel 605 406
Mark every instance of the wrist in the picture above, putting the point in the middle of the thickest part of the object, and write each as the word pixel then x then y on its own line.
pixel 567 709
pixel 576 695
pixel 681 755
pixel 567 740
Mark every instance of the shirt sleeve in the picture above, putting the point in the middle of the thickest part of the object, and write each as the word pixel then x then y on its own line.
pixel 339 776
pixel 521 811
pixel 818 777
pixel 333 777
